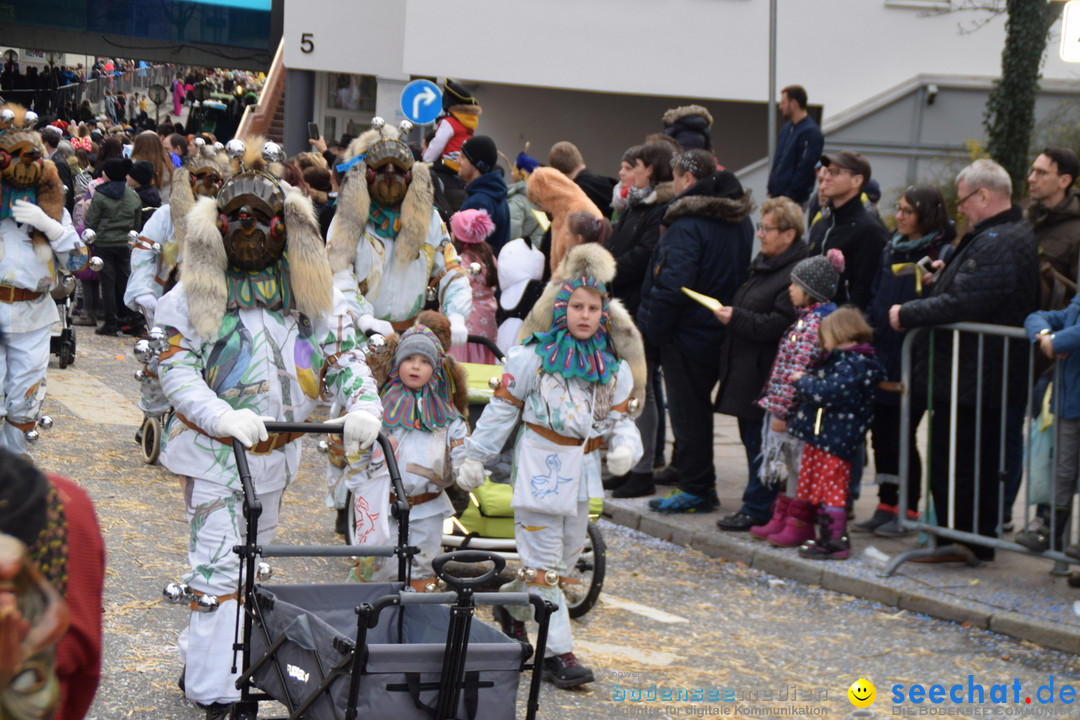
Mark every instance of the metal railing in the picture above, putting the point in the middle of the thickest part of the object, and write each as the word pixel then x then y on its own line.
pixel 985 411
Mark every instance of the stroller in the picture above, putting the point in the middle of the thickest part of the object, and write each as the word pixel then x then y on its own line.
pixel 332 651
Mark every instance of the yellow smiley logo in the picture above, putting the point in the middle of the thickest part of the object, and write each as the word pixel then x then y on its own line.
pixel 862 693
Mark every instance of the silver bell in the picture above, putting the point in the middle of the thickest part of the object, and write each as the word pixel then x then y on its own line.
pixel 405 127
pixel 7 116
pixel 272 152
pixel 176 593
pixel 323 446
pixel 377 123
pixel 89 236
pixel 30 119
pixel 207 603
pixel 45 423
pixel 140 375
pixel 235 148
pixel 474 269
pixel 142 350
pixel 264 573
pixel 96 264
pixel 31 436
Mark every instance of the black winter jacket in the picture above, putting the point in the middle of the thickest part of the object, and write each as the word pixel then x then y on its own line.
pixel 992 278
pixel 706 248
pixel 761 312
pixel 632 243
pixel 858 234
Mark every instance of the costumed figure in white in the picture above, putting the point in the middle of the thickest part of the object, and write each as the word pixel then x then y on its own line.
pixel 389 250
pixel 572 390
pixel 156 257
pixel 255 331
pixel 425 404
pixel 36 239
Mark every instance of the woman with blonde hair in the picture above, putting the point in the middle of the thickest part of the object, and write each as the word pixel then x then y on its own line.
pixel 148 146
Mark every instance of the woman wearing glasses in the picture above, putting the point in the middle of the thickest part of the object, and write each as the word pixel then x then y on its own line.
pixel 923 230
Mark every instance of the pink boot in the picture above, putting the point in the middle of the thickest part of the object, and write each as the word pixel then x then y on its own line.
pixel 776 524
pixel 798 526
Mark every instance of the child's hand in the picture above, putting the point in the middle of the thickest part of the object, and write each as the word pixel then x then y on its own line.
pixel 778 425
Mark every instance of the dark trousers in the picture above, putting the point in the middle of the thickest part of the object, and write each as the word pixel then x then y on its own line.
pixel 757 499
pixel 114 278
pixel 690 384
pixel 886 437
pixel 982 519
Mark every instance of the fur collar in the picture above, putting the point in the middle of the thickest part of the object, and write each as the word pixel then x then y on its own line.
pixel 710 207
pixel 354 209
pixel 206 263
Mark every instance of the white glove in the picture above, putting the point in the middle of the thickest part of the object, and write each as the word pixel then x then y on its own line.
pixel 470 475
pixel 370 323
pixel 244 425
pixel 147 302
pixel 361 430
pixel 459 334
pixel 619 460
pixel 27 213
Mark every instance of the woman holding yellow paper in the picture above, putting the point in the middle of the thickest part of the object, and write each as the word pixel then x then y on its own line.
pixel 923 229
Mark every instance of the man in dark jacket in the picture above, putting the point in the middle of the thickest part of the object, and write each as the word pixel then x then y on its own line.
pixel 707 249
pixel 567 159
pixel 849 227
pixel 1054 214
pixel 115 211
pixel 485 188
pixel 797 149
pixel 992 278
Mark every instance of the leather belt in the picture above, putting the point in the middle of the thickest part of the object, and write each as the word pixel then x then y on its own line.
pixel 11 294
pixel 591 444
pixel 415 500
pixel 273 442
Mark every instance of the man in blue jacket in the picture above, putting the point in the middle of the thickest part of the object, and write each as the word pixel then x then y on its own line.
pixel 797 149
pixel 485 188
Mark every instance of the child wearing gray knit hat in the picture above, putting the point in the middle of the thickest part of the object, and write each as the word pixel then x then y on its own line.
pixel 819 276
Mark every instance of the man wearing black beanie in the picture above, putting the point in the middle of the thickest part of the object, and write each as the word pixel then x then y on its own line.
pixel 485 188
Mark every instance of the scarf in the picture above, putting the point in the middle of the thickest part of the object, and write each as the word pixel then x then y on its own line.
pixel 635 195
pixel 562 354
pixel 387 220
pixel 428 408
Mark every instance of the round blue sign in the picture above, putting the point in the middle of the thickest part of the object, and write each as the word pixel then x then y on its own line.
pixel 421 101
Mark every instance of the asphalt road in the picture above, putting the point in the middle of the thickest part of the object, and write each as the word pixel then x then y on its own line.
pixel 672 622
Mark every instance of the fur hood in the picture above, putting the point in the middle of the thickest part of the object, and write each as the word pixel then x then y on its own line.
pixel 381 360
pixel 594 261
pixel 719 196
pixel 205 264
pixel 560 197
pixel 673 115
pixel 354 208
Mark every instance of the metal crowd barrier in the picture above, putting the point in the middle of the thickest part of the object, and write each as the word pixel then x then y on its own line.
pixel 944 533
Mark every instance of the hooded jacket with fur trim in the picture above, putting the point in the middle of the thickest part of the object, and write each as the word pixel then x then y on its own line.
pixel 706 248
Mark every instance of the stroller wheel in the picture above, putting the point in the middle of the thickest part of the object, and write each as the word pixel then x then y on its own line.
pixel 151 440
pixel 589 571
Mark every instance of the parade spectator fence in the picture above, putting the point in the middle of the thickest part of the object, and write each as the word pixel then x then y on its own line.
pixel 944 529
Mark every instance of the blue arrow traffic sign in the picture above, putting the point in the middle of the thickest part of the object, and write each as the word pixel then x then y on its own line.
pixel 421 101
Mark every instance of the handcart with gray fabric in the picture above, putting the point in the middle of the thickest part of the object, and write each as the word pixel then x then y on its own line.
pixel 329 651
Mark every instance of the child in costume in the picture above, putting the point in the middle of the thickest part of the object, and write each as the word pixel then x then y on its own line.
pixel 424 396
pixel 471 228
pixel 837 405
pixel 573 392
pixel 813 283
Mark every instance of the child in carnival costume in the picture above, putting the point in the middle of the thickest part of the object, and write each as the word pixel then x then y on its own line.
pixel 389 250
pixel 425 405
pixel 255 331
pixel 573 392
pixel 156 255
pixel 36 238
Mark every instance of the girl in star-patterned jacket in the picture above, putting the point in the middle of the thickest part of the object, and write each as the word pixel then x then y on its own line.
pixel 834 414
